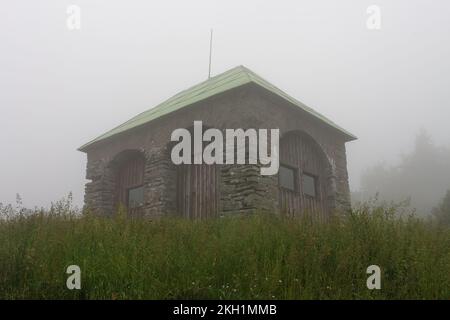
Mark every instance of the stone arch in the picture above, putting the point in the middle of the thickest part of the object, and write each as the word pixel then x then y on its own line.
pixel 306 177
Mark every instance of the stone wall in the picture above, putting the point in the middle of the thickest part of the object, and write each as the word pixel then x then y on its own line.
pixel 160 183
pixel 244 190
pixel 99 193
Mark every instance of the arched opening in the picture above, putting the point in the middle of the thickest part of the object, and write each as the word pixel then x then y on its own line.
pixel 128 170
pixel 303 176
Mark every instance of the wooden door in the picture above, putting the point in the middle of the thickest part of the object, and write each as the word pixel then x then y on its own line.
pixel 197 191
pixel 130 180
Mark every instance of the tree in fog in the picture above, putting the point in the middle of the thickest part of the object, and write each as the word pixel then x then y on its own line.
pixel 422 177
pixel 442 212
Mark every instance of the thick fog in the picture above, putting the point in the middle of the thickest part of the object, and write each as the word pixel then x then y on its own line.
pixel 59 88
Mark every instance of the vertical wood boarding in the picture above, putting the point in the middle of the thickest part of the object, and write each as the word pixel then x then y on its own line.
pixel 197 191
pixel 300 152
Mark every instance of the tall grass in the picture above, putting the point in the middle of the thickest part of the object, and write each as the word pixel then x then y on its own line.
pixel 246 257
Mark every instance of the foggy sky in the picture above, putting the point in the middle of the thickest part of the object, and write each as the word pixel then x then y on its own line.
pixel 61 88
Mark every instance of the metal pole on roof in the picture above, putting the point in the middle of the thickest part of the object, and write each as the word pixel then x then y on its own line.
pixel 210 53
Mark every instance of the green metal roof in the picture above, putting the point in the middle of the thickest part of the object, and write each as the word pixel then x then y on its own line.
pixel 230 79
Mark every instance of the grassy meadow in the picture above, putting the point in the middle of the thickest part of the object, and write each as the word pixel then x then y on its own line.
pixel 251 257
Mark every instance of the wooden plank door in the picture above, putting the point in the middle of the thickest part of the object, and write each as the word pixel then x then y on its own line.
pixel 130 175
pixel 197 191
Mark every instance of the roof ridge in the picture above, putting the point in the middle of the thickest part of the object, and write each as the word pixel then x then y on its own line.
pixel 227 80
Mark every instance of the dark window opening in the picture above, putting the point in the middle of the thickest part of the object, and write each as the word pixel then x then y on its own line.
pixel 309 185
pixel 286 177
pixel 136 197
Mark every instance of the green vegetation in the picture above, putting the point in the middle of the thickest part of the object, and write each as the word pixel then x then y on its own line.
pixel 253 257
pixel 442 212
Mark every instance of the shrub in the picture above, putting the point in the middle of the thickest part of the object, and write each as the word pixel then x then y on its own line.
pixel 442 212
